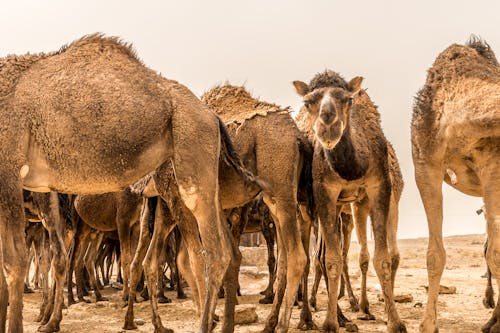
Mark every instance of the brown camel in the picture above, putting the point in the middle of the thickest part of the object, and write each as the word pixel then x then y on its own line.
pixel 92 118
pixel 113 211
pixel 274 149
pixel 351 164
pixel 356 210
pixel 455 133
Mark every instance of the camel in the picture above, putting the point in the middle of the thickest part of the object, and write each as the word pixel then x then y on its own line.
pixel 109 212
pixel 455 135
pixel 350 165
pixel 274 150
pixel 360 222
pixel 92 118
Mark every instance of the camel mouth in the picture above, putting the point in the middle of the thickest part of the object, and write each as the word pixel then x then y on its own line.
pixel 328 136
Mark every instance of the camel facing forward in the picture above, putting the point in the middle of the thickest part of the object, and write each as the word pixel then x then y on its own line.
pixel 455 134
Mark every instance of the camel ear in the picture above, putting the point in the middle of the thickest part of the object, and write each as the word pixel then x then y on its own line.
pixel 355 85
pixel 301 88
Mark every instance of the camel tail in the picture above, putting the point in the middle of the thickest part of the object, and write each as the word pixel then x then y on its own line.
pixel 233 159
pixel 151 202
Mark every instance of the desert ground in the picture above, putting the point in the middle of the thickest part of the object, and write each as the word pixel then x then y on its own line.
pixel 460 312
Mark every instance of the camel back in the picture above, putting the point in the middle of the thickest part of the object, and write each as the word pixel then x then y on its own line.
pixel 93 100
pixel 235 105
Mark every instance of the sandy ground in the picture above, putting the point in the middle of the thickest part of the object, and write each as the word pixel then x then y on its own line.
pixel 460 312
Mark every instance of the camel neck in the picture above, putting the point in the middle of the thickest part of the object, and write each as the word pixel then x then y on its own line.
pixel 345 159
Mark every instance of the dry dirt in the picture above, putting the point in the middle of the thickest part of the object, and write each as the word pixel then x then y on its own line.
pixel 460 312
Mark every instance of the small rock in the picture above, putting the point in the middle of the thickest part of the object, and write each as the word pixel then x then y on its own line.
pixel 406 298
pixel 418 305
pixel 253 271
pixel 139 322
pixel 245 314
pixel 444 290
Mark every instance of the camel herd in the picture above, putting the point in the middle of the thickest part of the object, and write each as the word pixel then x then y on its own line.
pixel 114 161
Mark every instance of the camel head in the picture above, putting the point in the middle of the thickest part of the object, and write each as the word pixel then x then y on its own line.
pixel 329 108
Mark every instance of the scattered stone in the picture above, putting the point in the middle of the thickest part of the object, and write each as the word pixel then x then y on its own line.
pixel 139 322
pixel 444 290
pixel 418 305
pixel 405 298
pixel 253 272
pixel 245 314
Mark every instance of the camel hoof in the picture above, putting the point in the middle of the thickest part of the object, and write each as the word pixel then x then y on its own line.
pixel 163 330
pixel 330 328
pixel 307 325
pixel 366 316
pixel 181 296
pixel 489 302
pixel 49 328
pixel 396 328
pixel 101 299
pixel 164 300
pixel 129 325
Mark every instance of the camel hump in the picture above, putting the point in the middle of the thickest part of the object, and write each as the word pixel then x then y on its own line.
pixel 236 104
pixel 483 48
pixel 100 44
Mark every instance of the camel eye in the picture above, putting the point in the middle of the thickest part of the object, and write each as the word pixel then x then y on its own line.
pixel 350 101
pixel 307 104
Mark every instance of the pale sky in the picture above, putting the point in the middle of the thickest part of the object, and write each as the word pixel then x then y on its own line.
pixel 266 44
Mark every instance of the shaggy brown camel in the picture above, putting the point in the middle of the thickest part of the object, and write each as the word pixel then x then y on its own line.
pixel 274 149
pixel 360 214
pixel 113 211
pixel 455 133
pixel 92 118
pixel 351 164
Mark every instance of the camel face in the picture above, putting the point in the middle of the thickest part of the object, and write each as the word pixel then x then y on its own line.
pixel 330 108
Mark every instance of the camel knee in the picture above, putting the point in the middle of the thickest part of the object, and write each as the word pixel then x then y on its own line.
pixel 364 261
pixel 436 260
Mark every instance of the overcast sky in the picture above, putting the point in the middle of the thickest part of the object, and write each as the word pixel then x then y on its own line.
pixel 266 44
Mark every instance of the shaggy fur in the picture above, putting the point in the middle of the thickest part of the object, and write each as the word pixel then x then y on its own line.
pixel 455 132
pixel 353 164
pixel 89 119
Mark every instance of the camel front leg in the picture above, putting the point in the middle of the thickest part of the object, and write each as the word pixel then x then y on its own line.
pixel 360 216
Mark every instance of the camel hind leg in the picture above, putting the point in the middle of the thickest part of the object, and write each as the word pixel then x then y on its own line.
pixel 151 263
pixel 360 215
pixel 51 217
pixel 197 179
pixel 13 244
pixel 491 189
